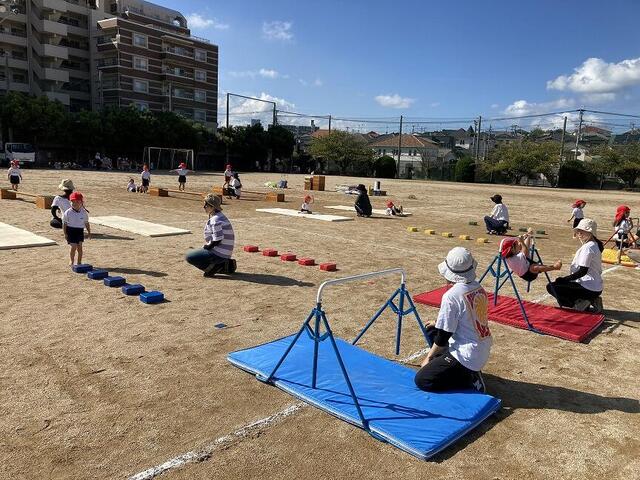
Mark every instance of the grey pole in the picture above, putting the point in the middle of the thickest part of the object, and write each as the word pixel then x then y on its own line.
pixel 399 148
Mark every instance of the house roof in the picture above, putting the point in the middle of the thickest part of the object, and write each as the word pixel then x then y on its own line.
pixel 597 130
pixel 408 141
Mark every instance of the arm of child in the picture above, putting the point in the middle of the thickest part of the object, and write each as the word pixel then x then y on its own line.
pixel 88 227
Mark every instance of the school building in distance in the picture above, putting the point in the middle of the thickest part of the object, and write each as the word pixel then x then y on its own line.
pixel 90 54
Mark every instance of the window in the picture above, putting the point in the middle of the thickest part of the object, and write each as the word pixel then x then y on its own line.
pixel 140 63
pixel 201 55
pixel 139 40
pixel 200 96
pixel 140 86
pixel 200 115
pixel 142 106
pixel 201 75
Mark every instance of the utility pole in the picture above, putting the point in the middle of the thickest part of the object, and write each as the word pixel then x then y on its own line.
pixel 170 96
pixel 579 132
pixel 329 123
pixel 487 139
pixel 564 132
pixel 399 148
pixel 227 110
pixel 478 125
pixel 275 115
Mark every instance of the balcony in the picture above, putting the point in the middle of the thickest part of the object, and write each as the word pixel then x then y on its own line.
pixel 61 97
pixel 180 52
pixel 178 72
pixel 182 94
pixel 17 38
pixel 107 62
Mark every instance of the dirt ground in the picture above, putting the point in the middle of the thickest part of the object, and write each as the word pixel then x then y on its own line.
pixel 98 385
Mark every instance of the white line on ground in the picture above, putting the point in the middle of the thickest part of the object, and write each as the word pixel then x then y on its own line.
pixel 206 452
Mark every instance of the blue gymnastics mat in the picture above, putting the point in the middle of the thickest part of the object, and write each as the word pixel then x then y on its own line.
pixel 397 412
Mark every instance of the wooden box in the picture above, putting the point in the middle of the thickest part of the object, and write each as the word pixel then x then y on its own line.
pixel 44 202
pixel 6 194
pixel 158 192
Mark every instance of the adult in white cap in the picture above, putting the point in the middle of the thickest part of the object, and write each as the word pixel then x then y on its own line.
pixel 460 335
pixel 61 203
pixel 582 288
pixel 215 255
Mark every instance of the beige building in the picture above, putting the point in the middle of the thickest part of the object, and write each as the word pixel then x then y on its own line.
pixel 94 53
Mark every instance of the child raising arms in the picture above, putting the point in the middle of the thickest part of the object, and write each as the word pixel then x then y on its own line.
pixel 74 221
pixel 516 251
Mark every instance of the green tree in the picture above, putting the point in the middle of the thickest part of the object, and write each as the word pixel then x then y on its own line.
pixel 281 142
pixel 604 161
pixel 628 168
pixel 465 170
pixel 385 167
pixel 346 151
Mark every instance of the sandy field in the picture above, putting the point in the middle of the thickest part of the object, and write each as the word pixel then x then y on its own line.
pixel 98 385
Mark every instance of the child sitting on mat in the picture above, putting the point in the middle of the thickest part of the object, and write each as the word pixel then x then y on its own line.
pixel 235 186
pixel 516 253
pixel 393 210
pixel 146 179
pixel 182 171
pixel 14 175
pixel 306 204
pixel 74 221
pixel 131 186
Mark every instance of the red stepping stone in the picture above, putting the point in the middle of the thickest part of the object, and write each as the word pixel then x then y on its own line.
pixel 288 257
pixel 270 252
pixel 251 248
pixel 307 262
pixel 328 267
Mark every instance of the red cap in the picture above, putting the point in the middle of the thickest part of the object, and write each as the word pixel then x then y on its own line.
pixel 182 165
pixel 506 245
pixel 228 166
pixel 389 204
pixel 307 198
pixel 621 211
pixel 577 203
pixel 76 196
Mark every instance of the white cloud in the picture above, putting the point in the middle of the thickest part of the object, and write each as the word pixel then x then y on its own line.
pixel 263 72
pixel 522 107
pixel 242 110
pixel 598 98
pixel 197 21
pixel 316 83
pixel 494 105
pixel 394 101
pixel 277 30
pixel 597 76
pixel 268 73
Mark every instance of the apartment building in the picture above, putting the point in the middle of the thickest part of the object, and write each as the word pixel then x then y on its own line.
pixel 90 54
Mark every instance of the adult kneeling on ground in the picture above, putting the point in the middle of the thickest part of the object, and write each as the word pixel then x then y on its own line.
pixel 363 204
pixel 460 335
pixel 61 203
pixel 498 222
pixel 583 286
pixel 215 255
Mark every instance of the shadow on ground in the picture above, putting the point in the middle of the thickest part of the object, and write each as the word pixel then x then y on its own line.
pixel 265 279
pixel 136 271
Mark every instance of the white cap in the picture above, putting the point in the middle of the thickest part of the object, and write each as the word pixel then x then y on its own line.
pixel 588 225
pixel 459 266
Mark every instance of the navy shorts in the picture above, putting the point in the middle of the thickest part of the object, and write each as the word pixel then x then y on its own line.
pixel 182 179
pixel 145 182
pixel 14 179
pixel 75 235
pixel 576 221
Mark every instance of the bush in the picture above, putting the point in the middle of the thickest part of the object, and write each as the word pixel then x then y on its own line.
pixel 465 170
pixel 385 167
pixel 572 174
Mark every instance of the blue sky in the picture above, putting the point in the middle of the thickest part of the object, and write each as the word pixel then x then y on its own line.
pixel 425 58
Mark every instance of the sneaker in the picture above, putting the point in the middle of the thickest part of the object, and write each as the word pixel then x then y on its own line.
pixel 597 305
pixel 477 382
pixel 581 305
pixel 211 270
pixel 230 266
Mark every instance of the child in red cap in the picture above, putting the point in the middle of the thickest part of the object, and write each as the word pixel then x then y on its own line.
pixel 182 171
pixel 623 226
pixel 74 221
pixel 393 210
pixel 577 214
pixel 228 175
pixel 14 175
pixel 513 249
pixel 306 204
pixel 146 179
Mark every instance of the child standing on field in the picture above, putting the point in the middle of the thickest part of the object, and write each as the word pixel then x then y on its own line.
pixel 228 175
pixel 623 226
pixel 146 179
pixel 182 171
pixel 577 214
pixel 74 221
pixel 14 175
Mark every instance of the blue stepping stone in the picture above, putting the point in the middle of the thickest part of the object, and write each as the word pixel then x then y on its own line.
pixel 98 274
pixel 220 325
pixel 82 268
pixel 152 297
pixel 135 289
pixel 115 281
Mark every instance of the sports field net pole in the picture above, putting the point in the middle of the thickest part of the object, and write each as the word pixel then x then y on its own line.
pixel 189 157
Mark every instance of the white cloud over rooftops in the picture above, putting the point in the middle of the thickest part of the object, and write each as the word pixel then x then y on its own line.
pixel 198 22
pixel 597 76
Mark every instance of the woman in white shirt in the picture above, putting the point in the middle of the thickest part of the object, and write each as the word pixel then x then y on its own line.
pixel 582 288
pixel 498 222
pixel 61 203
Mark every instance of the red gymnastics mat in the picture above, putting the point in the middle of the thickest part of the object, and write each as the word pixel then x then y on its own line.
pixel 563 323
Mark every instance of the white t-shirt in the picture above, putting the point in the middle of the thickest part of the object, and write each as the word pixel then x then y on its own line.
pixel 519 263
pixel 62 203
pixel 590 256
pixel 182 171
pixel 228 173
pixel 500 212
pixel 146 175
pixel 577 213
pixel 14 172
pixel 75 219
pixel 464 312
pixel 305 206
pixel 131 187
pixel 624 226
pixel 235 183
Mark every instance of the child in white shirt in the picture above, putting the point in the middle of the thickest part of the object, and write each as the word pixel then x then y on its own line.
pixel 306 204
pixel 74 221
pixel 517 254
pixel 182 171
pixel 14 175
pixel 235 185
pixel 392 210
pixel 623 226
pixel 577 214
pixel 131 186
pixel 228 175
pixel 146 179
